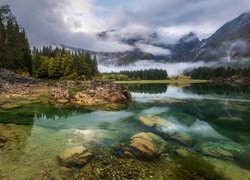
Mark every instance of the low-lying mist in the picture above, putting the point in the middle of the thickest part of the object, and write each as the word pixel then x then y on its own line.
pixel 172 68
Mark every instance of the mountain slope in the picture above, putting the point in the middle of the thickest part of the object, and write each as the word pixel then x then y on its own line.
pixel 232 40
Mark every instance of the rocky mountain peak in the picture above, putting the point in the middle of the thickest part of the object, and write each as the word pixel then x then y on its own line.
pixel 188 38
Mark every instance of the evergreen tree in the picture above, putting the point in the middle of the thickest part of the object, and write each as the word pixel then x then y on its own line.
pixel 94 68
pixel 14 47
pixel 44 66
pixel 67 64
pixel 83 65
pixel 54 69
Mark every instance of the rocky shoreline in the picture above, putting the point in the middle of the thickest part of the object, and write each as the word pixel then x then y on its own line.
pixel 88 94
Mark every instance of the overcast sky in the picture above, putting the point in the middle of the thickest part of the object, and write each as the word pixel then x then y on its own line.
pixel 76 22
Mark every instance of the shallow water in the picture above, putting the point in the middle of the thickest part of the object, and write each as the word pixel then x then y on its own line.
pixel 213 116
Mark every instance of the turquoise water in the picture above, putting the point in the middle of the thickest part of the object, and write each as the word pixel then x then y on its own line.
pixel 216 117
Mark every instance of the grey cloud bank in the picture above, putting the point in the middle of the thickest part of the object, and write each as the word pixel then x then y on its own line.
pixel 76 23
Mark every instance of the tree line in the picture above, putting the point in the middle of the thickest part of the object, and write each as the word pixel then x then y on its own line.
pixel 148 74
pixel 219 72
pixel 58 62
pixel 14 46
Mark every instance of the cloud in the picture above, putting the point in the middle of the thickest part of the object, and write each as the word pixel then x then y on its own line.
pixel 147 48
pixel 201 17
pixel 75 23
pixel 172 68
pixel 68 22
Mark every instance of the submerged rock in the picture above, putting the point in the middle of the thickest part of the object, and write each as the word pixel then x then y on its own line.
pixel 8 138
pixel 160 124
pixel 167 129
pixel 183 138
pixel 168 101
pixel 214 151
pixel 3 140
pixel 182 153
pixel 146 146
pixel 76 156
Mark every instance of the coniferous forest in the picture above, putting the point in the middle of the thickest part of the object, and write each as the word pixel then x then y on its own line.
pixel 148 74
pixel 14 46
pixel 57 63
pixel 219 72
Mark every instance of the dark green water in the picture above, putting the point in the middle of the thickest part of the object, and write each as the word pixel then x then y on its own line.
pixel 213 116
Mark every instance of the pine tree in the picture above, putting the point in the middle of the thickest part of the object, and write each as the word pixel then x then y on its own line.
pixel 83 65
pixel 54 69
pixel 67 64
pixel 94 67
pixel 44 66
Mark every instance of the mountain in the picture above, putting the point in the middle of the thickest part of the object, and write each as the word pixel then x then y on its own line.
pixel 186 48
pixel 238 28
pixel 231 41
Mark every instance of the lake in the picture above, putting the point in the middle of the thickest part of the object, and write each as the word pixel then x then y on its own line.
pixel 211 122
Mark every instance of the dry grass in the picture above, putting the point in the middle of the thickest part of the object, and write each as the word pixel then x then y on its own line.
pixel 171 80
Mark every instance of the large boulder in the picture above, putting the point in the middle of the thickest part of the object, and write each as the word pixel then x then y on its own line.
pixel 76 156
pixel 104 95
pixel 146 146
